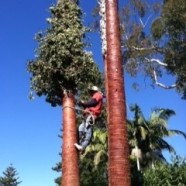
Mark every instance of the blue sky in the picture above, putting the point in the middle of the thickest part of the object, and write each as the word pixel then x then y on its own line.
pixel 29 129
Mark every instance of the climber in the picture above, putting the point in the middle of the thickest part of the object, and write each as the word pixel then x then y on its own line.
pixel 92 110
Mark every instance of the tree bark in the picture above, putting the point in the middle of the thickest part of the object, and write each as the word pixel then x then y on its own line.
pixel 102 13
pixel 118 148
pixel 70 169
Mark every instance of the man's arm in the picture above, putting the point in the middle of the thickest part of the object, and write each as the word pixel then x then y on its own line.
pixel 91 103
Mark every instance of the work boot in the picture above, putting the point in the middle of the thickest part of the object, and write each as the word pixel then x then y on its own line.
pixel 79 147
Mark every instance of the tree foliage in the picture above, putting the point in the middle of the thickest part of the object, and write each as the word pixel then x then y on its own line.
pixel 170 28
pixel 173 173
pixel 61 63
pixel 153 37
pixel 149 135
pixel 10 177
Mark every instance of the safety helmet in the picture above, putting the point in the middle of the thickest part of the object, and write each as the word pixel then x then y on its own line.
pixel 94 88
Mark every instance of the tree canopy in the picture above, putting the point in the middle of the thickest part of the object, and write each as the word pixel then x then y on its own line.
pixel 170 29
pixel 154 37
pixel 173 173
pixel 147 136
pixel 10 177
pixel 61 61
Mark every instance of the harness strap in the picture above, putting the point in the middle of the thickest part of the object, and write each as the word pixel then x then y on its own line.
pixel 90 120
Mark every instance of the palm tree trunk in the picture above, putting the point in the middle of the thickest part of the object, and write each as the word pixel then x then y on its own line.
pixel 70 169
pixel 138 158
pixel 118 149
pixel 136 152
pixel 102 4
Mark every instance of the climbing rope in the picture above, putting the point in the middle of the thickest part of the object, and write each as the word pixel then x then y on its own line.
pixel 90 120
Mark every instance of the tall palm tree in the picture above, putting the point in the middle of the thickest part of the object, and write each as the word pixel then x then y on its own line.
pixel 148 135
pixel 60 68
pixel 70 170
pixel 102 13
pixel 157 131
pixel 137 132
pixel 118 149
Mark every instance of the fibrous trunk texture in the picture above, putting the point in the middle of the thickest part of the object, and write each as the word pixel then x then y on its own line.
pixel 70 169
pixel 102 13
pixel 118 149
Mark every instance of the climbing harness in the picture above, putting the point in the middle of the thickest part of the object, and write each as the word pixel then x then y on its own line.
pixel 90 120
pixel 87 122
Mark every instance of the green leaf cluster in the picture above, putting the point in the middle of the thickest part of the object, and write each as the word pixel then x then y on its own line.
pixel 61 62
pixel 147 135
pixel 170 30
pixel 173 173
pixel 155 30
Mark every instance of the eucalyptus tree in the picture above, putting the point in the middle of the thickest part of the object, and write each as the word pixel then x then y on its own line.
pixel 118 148
pixel 169 31
pixel 59 70
pixel 153 41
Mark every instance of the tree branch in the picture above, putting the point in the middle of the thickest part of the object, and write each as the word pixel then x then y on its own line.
pixel 103 25
pixel 142 49
pixel 144 25
pixel 157 61
pixel 161 84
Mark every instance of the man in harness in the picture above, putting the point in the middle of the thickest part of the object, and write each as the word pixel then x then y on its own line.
pixel 92 110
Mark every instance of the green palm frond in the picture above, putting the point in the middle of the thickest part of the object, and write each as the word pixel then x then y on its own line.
pixel 156 120
pixel 163 145
pixel 177 132
pixel 159 130
pixel 154 156
pixel 149 134
pixel 132 142
pixel 98 156
pixel 100 135
pixel 143 132
pixel 164 114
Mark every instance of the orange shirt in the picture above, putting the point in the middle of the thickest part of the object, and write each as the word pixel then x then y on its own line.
pixel 96 110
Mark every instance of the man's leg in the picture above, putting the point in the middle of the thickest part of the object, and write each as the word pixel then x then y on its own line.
pixel 88 136
pixel 87 132
pixel 81 134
